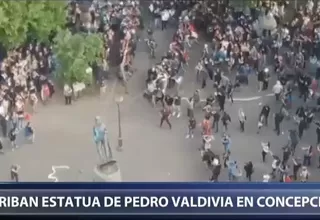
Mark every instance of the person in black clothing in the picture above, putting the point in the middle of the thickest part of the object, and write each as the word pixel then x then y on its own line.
pixel 301 113
pixel 318 134
pixel 261 79
pixel 248 167
pixel 296 166
pixel 265 112
pixel 277 121
pixel 225 118
pixel 293 137
pixel 221 99
pixel 301 127
pixel 286 155
pixel 215 123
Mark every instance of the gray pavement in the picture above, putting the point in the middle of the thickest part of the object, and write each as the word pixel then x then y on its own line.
pixel 150 153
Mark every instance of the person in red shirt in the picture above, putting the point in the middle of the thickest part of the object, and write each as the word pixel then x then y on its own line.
pixel 287 179
pixel 206 126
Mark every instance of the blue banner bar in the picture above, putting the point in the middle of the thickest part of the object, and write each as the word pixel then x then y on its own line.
pixel 161 201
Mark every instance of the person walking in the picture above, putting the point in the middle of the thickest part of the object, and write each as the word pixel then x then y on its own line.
pixel 14 172
pixel 99 137
pixel 67 92
pixel 265 112
pixel 165 15
pixel 191 126
pixel 278 118
pixel 248 167
pixel 277 90
pixel 265 150
pixel 165 115
pixel 242 119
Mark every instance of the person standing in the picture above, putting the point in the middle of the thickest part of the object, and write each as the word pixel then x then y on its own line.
pixel 226 142
pixel 225 119
pixel 301 127
pixel 221 97
pixel 99 137
pixel 215 123
pixel 277 90
pixel 14 172
pixel 165 115
pixel 308 152
pixel 296 166
pixel 278 118
pixel 67 92
pixel 286 155
pixel 304 174
pixel 13 136
pixel 242 119
pixel 190 107
pixel 216 169
pixel 165 15
pixel 29 132
pixel 318 134
pixel 248 167
pixel 318 149
pixel 260 80
pixel 176 106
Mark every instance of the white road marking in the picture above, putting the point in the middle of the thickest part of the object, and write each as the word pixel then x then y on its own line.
pixel 270 94
pixel 52 176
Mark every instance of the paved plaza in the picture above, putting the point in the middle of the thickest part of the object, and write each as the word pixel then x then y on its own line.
pixel 150 153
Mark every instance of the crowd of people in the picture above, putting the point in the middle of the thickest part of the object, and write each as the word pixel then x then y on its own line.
pixel 242 44
pixel 24 76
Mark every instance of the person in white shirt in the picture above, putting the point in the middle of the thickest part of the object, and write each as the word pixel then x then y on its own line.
pixel 304 174
pixel 277 89
pixel 165 15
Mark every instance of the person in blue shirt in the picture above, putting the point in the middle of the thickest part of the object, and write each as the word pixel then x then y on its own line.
pixel 226 141
pixel 29 132
pixel 99 137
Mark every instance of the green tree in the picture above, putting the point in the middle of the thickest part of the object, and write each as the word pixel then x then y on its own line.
pixel 75 53
pixel 18 19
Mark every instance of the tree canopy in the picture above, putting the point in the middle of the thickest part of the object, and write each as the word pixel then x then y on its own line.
pixel 20 19
pixel 76 53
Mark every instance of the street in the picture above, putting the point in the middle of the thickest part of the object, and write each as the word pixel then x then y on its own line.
pixel 150 153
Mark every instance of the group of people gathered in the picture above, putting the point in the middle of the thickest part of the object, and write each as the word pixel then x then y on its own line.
pixel 236 51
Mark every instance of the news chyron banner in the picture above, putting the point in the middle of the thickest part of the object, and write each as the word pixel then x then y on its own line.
pixel 160 199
